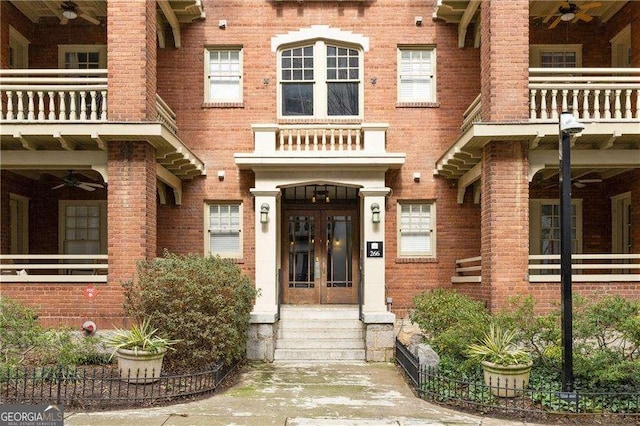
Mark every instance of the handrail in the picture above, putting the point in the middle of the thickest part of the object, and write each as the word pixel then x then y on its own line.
pixel 53 95
pixel 46 268
pixel 601 267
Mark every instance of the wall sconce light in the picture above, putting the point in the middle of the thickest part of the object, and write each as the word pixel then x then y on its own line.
pixel 374 80
pixel 264 213
pixel 221 174
pixel 375 213
pixel 265 81
pixel 418 20
pixel 222 24
pixel 416 176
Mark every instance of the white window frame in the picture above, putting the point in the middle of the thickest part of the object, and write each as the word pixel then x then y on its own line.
pixel 208 229
pixel 320 81
pixel 62 206
pixel 101 49
pixel 621 223
pixel 535 228
pixel 429 231
pixel 431 51
pixel 537 50
pixel 19 48
pixel 210 97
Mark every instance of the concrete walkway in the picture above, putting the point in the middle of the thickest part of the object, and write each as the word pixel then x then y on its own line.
pixel 299 395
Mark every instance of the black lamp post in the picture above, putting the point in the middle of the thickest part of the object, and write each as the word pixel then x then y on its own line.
pixel 568 127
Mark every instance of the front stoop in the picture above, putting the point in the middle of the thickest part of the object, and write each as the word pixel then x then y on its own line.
pixel 329 333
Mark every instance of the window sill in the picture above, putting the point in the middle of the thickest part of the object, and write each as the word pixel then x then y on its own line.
pixel 223 105
pixel 418 105
pixel 416 260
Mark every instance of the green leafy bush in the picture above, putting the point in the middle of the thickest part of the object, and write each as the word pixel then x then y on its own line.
pixel 450 320
pixel 21 333
pixel 203 302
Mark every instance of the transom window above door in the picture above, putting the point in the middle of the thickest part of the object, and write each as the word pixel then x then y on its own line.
pixel 320 80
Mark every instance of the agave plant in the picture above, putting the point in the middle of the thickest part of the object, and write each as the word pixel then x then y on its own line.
pixel 497 346
pixel 139 338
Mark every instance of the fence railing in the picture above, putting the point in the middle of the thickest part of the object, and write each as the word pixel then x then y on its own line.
pixel 546 268
pixel 320 138
pixel 537 401
pixel 46 268
pixel 53 95
pixel 102 386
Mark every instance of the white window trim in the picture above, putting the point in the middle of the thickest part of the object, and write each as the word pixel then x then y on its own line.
pixel 101 49
pixel 536 50
pixel 621 48
pixel 207 85
pixel 207 251
pixel 618 218
pixel 320 91
pixel 434 95
pixel 433 233
pixel 20 45
pixel 535 207
pixel 62 205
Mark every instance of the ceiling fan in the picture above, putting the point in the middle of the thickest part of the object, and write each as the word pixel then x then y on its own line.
pixel 571 12
pixel 72 181
pixel 70 10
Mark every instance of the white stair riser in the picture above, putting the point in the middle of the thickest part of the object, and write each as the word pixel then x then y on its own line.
pixel 318 355
pixel 299 333
pixel 319 324
pixel 315 313
pixel 319 344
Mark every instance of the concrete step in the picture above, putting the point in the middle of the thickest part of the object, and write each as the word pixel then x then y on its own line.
pixel 332 312
pixel 319 324
pixel 323 344
pixel 306 333
pixel 319 355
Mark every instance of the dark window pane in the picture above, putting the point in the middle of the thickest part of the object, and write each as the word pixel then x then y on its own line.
pixel 331 62
pixel 353 62
pixel 342 51
pixel 331 51
pixel 342 62
pixel 308 62
pixel 297 74
pixel 286 74
pixel 308 51
pixel 297 99
pixel 286 54
pixel 286 62
pixel 308 74
pixel 342 98
pixel 353 74
pixel 342 74
pixel 331 74
pixel 297 62
pixel 297 51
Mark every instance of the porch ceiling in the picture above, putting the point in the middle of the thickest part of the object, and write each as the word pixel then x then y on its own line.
pixel 171 152
pixel 465 12
pixel 603 148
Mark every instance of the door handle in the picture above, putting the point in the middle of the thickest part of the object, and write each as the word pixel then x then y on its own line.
pixel 316 268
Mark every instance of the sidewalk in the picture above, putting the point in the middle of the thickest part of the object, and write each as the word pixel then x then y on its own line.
pixel 299 395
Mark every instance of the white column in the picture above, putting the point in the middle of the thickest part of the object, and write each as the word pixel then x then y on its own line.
pixel 374 307
pixel 266 234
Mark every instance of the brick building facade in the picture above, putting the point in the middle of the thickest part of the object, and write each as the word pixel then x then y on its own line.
pixel 343 152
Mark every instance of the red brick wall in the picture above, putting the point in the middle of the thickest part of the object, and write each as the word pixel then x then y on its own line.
pixel 505 60
pixel 132 59
pixel 505 220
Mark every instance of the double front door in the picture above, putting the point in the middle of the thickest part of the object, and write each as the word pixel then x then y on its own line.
pixel 320 259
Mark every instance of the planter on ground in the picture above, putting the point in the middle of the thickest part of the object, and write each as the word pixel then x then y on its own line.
pixel 506 381
pixel 140 367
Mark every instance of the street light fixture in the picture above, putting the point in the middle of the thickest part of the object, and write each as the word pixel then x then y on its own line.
pixel 568 126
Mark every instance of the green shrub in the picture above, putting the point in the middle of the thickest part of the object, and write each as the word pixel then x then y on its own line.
pixel 21 333
pixel 203 302
pixel 450 320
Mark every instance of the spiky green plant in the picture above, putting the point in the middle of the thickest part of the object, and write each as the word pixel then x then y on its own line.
pixel 498 346
pixel 139 338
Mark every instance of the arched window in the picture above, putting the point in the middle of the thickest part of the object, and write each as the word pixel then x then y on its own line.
pixel 320 80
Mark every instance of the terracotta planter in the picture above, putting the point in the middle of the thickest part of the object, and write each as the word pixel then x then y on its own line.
pixel 140 367
pixel 506 381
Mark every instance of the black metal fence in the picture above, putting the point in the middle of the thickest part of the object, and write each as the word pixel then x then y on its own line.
pixel 103 387
pixel 538 401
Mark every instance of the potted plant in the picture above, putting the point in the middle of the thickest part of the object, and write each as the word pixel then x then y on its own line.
pixel 506 367
pixel 140 352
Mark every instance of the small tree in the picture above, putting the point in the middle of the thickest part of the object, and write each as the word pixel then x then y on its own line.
pixel 203 302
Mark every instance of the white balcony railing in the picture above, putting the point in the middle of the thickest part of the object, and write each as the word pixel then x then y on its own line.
pixel 49 268
pixel 596 94
pixel 53 95
pixel 546 268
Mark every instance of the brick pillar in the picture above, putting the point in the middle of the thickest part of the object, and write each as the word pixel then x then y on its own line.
pixel 131 208
pixel 505 221
pixel 505 60
pixel 132 59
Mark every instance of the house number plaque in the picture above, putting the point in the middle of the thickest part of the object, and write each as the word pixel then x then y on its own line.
pixel 374 249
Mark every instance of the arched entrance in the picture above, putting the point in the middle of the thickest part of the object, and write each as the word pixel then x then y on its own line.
pixel 320 245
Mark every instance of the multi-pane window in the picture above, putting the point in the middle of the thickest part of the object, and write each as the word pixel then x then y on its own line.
pixel 545 227
pixel 223 75
pixel 556 55
pixel 83 227
pixel 416 75
pixel 320 80
pixel 223 223
pixel 416 229
pixel 558 59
